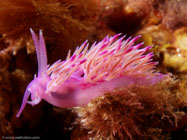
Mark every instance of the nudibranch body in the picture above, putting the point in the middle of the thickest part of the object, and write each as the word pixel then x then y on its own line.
pixel 89 72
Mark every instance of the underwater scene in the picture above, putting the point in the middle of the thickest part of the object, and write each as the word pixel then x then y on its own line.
pixel 93 69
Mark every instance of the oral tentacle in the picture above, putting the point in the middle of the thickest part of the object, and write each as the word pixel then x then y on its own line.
pixel 24 102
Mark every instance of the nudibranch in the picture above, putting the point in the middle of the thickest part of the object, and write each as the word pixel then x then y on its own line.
pixel 89 72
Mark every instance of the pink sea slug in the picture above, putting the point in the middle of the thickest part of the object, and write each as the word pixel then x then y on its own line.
pixel 89 72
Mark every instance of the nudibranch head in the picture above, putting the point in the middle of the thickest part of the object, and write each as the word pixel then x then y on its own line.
pixel 37 87
pixel 89 72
